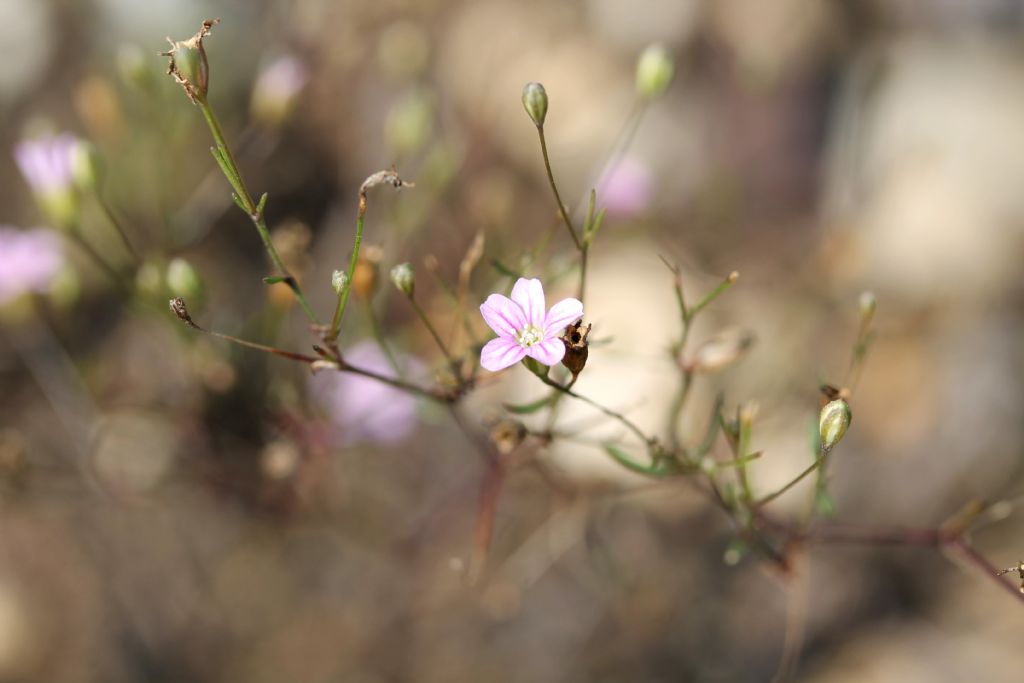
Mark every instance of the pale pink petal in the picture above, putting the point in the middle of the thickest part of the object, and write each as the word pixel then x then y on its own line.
pixel 503 315
pixel 548 352
pixel 530 295
pixel 500 353
pixel 561 314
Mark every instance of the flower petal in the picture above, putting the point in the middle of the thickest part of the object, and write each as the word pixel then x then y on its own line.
pixel 561 314
pixel 530 295
pixel 500 353
pixel 503 315
pixel 548 352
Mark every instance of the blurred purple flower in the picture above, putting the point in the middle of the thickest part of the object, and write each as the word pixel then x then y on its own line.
pixel 525 327
pixel 276 88
pixel 46 162
pixel 362 409
pixel 29 261
pixel 626 188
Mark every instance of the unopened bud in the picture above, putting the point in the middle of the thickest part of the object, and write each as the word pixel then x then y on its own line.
pixel 134 67
pixel 748 413
pixel 86 165
pixel 364 277
pixel 535 101
pixel 722 350
pixel 576 347
pixel 404 278
pixel 188 63
pixel 339 281
pixel 867 304
pixel 408 123
pixel 654 71
pixel 183 279
pixel 833 423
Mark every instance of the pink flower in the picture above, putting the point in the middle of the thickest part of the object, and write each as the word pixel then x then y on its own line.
pixel 524 328
pixel 277 87
pixel 362 409
pixel 46 162
pixel 29 261
pixel 626 189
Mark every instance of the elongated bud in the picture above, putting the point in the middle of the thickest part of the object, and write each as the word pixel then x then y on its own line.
pixel 576 347
pixel 404 278
pixel 654 71
pixel 833 423
pixel 535 101
pixel 183 280
pixel 722 350
pixel 188 63
pixel 867 304
pixel 364 277
pixel 339 281
pixel 86 165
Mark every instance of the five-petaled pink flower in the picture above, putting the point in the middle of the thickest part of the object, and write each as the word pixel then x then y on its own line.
pixel 525 327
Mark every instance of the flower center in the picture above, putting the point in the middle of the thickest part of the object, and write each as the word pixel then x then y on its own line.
pixel 529 335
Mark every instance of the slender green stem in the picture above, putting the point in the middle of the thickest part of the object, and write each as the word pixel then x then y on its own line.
pixel 226 159
pixel 109 214
pixel 453 363
pixel 90 251
pixel 378 335
pixel 584 251
pixel 813 467
pixel 343 295
pixel 626 422
pixel 554 190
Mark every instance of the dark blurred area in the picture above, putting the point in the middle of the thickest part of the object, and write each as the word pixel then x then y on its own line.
pixel 176 508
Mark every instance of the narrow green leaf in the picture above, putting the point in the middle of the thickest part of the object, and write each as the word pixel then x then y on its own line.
pixel 261 204
pixel 274 279
pixel 503 269
pixel 532 407
pixel 620 456
pixel 589 221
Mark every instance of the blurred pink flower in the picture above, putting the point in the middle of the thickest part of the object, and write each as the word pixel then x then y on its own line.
pixel 626 188
pixel 362 409
pixel 29 260
pixel 524 327
pixel 45 162
pixel 276 88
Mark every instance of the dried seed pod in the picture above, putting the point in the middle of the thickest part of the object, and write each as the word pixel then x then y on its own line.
pixel 576 347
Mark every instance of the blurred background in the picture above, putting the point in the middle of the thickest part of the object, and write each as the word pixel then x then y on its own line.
pixel 176 508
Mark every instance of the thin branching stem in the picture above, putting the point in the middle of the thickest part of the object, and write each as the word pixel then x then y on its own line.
pixel 226 159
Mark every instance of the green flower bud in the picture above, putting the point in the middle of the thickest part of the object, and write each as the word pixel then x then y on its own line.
pixel 833 423
pixel 867 305
pixel 188 63
pixel 149 280
pixel 339 281
pixel 408 123
pixel 404 278
pixel 535 101
pixel 86 165
pixel 65 288
pixel 133 65
pixel 722 350
pixel 183 280
pixel 654 71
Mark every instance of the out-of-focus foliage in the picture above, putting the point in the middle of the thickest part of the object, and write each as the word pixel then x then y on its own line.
pixel 177 508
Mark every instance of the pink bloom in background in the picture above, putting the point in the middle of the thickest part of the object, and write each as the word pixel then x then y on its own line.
pixel 362 409
pixel 277 87
pixel 626 188
pixel 46 162
pixel 29 261
pixel 525 327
